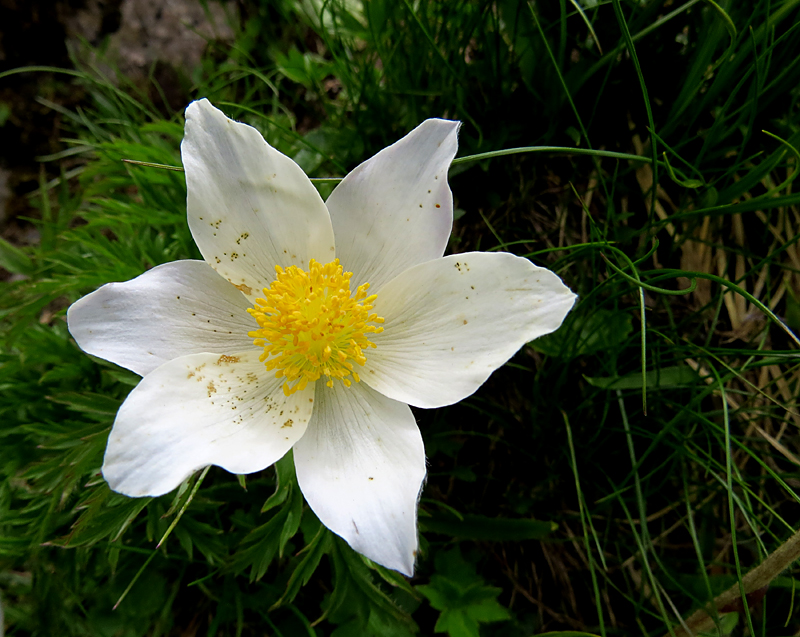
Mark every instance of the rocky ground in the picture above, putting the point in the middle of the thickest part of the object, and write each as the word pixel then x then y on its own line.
pixel 164 39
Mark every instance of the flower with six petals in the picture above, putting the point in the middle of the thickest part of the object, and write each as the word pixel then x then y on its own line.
pixel 310 325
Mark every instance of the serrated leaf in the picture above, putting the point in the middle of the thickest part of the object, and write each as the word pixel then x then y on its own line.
pixel 205 537
pixel 263 543
pixel 356 595
pixel 391 577
pixel 462 597
pixel 439 592
pixel 457 623
pixel 106 515
pixel 320 545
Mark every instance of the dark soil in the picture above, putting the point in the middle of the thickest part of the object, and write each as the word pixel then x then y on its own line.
pixel 32 33
pixel 165 38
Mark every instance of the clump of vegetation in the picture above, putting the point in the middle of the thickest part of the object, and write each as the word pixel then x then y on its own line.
pixel 613 478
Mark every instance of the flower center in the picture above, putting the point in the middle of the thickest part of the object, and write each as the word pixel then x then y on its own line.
pixel 311 326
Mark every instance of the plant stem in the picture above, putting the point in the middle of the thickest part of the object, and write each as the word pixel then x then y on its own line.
pixel 757 579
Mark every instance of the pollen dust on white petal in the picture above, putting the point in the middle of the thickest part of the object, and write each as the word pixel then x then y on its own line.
pixel 233 393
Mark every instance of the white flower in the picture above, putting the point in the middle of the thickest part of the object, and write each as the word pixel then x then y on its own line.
pixel 231 352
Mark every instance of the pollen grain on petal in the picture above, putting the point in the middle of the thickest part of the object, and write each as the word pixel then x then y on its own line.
pixel 311 325
pixel 244 288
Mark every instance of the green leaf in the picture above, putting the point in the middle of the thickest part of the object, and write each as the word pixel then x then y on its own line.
pixel 263 543
pixel 462 597
pixel 88 402
pixel 285 478
pixel 356 596
pixel 792 310
pixel 307 69
pixel 393 578
pixel 105 514
pixel 685 182
pixel 677 376
pixel 479 527
pixel 123 376
pixel 726 623
pixel 294 514
pixel 488 610
pixel 586 332
pixel 457 624
pixel 14 260
pixel 5 113
pixel 320 545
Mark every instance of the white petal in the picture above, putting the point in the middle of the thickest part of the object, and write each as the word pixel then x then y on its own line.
pixel 250 207
pixel 173 310
pixel 451 322
pixel 396 210
pixel 360 466
pixel 199 410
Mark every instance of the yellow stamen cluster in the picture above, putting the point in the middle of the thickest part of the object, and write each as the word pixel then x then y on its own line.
pixel 310 325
